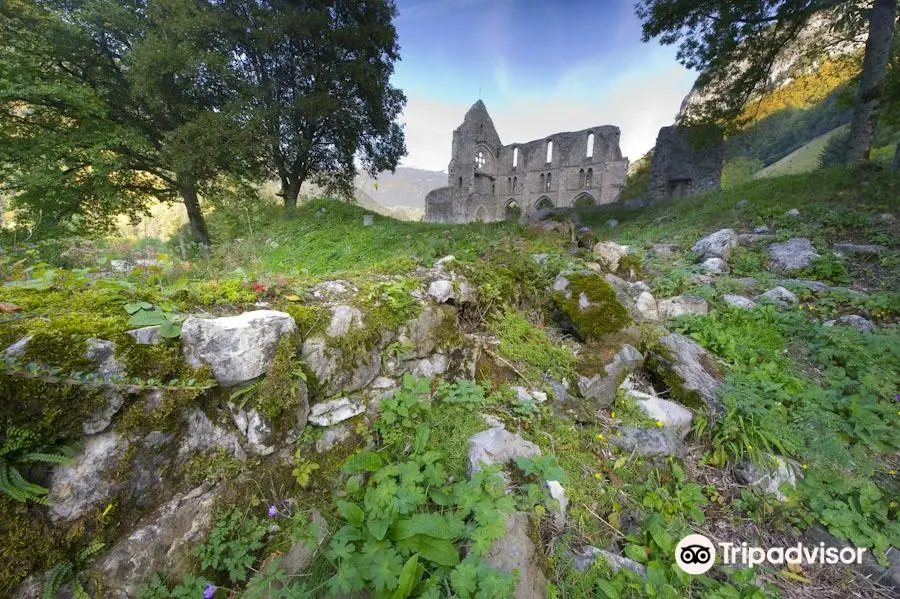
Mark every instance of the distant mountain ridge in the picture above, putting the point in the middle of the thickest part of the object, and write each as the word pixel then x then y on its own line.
pixel 404 188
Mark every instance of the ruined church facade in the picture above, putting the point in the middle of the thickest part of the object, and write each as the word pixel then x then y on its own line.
pixel 488 181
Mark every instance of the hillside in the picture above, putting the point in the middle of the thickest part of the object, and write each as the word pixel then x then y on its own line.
pixel 801 160
pixel 323 406
pixel 406 187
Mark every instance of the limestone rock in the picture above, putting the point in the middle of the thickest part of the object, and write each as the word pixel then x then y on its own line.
pixel 610 253
pixel 816 286
pixel 690 371
pixel 672 415
pixel 334 376
pixel 300 556
pixel 649 442
pixel 344 318
pixel 793 213
pixel 444 263
pixel 498 446
pixel 77 487
pixel 715 266
pixel 857 322
pixel 236 348
pixel 146 335
pixel 599 391
pixel 425 330
pixel 17 349
pixel 329 413
pixel 716 245
pixel 769 478
pixel 664 250
pixel 161 543
pixel 583 561
pixel 559 505
pixel 762 229
pixel 516 551
pixel 793 254
pixel 102 353
pixel 203 435
pixel 523 394
pixel 442 291
pixel 681 304
pixel 333 436
pixel 739 301
pixel 433 365
pixel 590 305
pixel 779 295
pixel 256 428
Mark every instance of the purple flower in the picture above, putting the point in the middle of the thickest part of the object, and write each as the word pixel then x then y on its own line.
pixel 273 511
pixel 209 591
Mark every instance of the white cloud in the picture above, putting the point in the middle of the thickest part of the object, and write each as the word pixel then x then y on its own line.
pixel 639 102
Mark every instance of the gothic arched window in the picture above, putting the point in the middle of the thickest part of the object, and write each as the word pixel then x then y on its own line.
pixel 590 145
pixel 479 160
pixel 549 151
pixel 515 157
pixel 589 180
pixel 549 180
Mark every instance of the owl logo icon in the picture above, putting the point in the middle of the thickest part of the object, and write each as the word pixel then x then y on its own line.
pixel 695 554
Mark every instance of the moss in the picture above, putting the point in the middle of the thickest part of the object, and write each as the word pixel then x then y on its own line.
pixel 630 267
pixel 310 319
pixel 212 465
pixel 278 392
pixel 604 314
pixel 27 543
pixel 524 343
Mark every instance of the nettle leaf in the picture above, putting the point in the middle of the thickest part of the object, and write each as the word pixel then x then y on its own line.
pixel 439 551
pixel 351 512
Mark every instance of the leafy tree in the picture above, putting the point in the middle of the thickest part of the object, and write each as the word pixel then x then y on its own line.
pixel 109 104
pixel 316 76
pixel 736 45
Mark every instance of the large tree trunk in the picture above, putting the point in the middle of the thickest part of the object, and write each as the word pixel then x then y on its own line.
pixel 871 80
pixel 289 191
pixel 188 190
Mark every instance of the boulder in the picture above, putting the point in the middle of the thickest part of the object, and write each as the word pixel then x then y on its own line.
pixel 333 375
pixel 793 254
pixel 516 552
pixel 739 301
pixel 599 391
pixel 583 560
pixel 236 348
pixel 609 254
pixel 769 477
pixel 852 320
pixel 333 436
pixel 424 332
pixel 85 483
pixel 716 245
pixel 444 263
pixel 256 428
pixel 762 229
pixel 329 413
pixel 146 335
pixel 779 295
pixel 680 305
pixel 498 446
pixel 589 306
pixel 343 319
pixel 585 237
pixel 202 435
pixel 649 442
pixel 162 543
pixel 715 266
pixel 690 372
pixel 672 415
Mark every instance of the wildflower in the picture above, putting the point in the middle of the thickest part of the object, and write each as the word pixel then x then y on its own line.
pixel 659 424
pixel 597 475
pixel 892 472
pixel 273 511
pixel 209 591
pixel 600 436
pixel 804 466
pixel 612 414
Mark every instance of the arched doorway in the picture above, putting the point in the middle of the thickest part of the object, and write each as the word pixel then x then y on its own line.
pixel 584 200
pixel 513 211
pixel 543 203
pixel 480 214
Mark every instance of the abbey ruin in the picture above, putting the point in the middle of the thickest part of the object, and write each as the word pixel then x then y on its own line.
pixel 488 181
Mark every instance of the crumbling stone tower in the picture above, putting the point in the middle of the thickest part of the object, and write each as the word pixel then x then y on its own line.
pixel 489 181
pixel 686 161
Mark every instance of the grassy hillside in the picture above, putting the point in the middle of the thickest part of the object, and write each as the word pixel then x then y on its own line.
pixel 801 160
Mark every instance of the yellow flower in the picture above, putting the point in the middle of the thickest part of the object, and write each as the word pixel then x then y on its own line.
pixel 749 446
pixel 600 436
pixel 659 424
pixel 597 475
pixel 892 472
pixel 613 414
pixel 804 466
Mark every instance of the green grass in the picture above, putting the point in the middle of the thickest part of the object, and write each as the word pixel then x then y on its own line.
pixel 801 160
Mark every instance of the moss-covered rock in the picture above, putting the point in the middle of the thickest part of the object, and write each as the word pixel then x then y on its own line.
pixel 587 305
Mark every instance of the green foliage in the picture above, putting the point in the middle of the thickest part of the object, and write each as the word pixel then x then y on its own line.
pixel 637 184
pixel 739 170
pixel 20 448
pixel 303 469
pixel 835 150
pixel 144 314
pixel 403 411
pixel 604 314
pixel 232 544
pixel 523 342
pixel 74 571
pixel 190 587
pixel 460 392
pixel 680 501
pixel 828 268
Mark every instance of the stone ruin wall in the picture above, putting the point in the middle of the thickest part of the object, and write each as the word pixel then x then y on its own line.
pixel 684 165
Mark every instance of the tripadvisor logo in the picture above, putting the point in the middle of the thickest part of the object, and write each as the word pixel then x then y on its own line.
pixel 696 554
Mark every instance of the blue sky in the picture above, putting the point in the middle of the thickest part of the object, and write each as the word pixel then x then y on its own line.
pixel 540 67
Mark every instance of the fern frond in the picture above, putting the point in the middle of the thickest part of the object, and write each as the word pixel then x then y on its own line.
pixel 47 458
pixel 56 578
pixel 30 489
pixel 91 550
pixel 8 488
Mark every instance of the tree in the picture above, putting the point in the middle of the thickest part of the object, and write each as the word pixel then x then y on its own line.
pixel 109 104
pixel 737 45
pixel 316 78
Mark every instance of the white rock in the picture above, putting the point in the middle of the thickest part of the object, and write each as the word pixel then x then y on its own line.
pixel 610 253
pixel 739 301
pixel 329 413
pixel 669 413
pixel 343 318
pixel 236 348
pixel 383 382
pixel 769 478
pixel 559 504
pixel 762 229
pixel 77 487
pixel 682 304
pixel 202 435
pixel 586 558
pixel 444 262
pixel 498 446
pixel 716 245
pixel 780 296
pixel 715 266
pixel 442 291
pixel 793 254
pixel 256 428
pixel 146 335
pixel 647 306
pixel 857 322
pixel 793 212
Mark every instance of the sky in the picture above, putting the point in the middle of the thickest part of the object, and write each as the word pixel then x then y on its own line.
pixel 540 67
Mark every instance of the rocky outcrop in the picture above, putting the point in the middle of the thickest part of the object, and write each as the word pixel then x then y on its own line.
pixel 852 320
pixel 649 442
pixel 690 372
pixel 739 301
pixel 599 391
pixel 333 375
pixel 667 413
pixel 202 435
pixel 85 483
pixel 103 354
pixel 162 543
pixel 770 477
pixel 680 305
pixel 716 245
pixel 779 296
pixel 236 348
pixel 793 254
pixel 609 254
pixel 329 413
